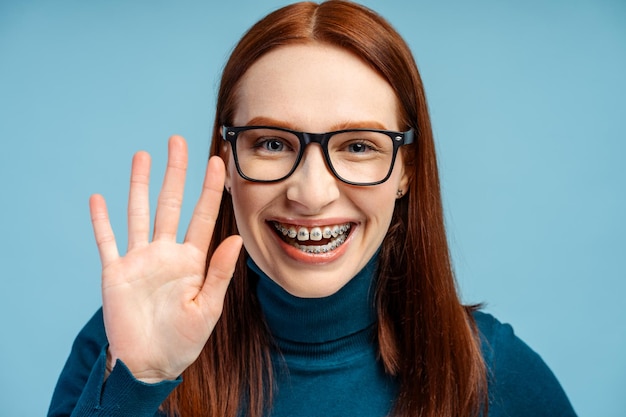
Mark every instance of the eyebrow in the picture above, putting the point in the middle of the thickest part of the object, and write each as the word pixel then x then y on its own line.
pixel 268 121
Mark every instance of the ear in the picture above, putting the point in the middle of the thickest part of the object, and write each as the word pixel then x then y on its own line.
pixel 405 179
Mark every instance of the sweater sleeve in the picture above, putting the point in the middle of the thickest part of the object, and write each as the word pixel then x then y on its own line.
pixel 520 382
pixel 82 391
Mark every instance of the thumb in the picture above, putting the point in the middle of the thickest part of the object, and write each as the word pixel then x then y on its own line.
pixel 219 274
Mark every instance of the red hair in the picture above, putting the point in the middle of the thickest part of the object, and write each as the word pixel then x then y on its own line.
pixel 426 338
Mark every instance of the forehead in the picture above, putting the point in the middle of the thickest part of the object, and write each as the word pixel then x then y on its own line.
pixel 315 87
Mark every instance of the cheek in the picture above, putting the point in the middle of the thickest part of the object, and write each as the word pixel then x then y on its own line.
pixel 244 209
pixel 249 200
pixel 243 202
pixel 378 204
pixel 382 202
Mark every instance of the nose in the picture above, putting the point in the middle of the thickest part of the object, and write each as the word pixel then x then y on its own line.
pixel 312 186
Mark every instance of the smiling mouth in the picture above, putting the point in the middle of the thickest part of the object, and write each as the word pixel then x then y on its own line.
pixel 318 239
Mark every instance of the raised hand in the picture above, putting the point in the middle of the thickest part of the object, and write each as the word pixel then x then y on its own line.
pixel 159 305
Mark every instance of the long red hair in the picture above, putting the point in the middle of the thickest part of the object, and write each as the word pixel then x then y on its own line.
pixel 426 338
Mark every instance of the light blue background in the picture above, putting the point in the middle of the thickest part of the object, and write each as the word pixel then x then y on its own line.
pixel 528 104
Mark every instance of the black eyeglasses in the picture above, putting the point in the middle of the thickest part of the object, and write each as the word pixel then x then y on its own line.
pixel 354 156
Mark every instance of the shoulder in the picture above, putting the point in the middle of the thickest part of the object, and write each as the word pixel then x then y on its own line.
pixel 502 349
pixel 494 335
pixel 520 382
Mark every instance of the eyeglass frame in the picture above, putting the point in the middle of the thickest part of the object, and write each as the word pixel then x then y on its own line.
pixel 230 134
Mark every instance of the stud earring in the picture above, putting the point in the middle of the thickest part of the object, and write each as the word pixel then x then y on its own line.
pixel 399 193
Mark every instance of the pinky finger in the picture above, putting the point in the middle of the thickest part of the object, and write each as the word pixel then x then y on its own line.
pixel 105 239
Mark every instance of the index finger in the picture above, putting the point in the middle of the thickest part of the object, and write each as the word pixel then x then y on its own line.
pixel 207 208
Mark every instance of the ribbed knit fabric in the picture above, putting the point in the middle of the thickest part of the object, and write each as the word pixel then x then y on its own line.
pixel 326 363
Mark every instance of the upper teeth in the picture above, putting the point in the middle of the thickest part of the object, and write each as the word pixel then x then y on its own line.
pixel 316 233
pixel 303 233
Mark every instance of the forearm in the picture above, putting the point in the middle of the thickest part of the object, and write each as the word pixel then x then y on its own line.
pixel 119 395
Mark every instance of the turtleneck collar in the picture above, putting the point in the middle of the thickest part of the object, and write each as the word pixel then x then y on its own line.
pixel 317 320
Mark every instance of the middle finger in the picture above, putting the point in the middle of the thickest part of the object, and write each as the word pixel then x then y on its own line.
pixel 171 195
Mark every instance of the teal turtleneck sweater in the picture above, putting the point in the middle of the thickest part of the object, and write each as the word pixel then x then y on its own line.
pixel 327 362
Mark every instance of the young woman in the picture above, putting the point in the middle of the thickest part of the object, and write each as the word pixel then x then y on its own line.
pixel 343 300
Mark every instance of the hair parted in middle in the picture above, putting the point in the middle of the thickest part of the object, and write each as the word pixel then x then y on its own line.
pixel 426 338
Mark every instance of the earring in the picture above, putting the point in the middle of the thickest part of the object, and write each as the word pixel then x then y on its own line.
pixel 399 193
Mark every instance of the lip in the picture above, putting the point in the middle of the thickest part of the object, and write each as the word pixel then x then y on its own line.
pixel 306 257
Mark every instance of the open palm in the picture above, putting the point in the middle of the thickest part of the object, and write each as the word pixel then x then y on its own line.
pixel 160 303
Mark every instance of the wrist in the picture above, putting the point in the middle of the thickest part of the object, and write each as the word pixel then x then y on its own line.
pixel 108 367
pixel 146 376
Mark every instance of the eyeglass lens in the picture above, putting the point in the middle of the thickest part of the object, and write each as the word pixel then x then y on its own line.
pixel 356 156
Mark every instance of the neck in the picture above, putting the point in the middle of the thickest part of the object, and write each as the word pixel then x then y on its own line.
pixel 318 320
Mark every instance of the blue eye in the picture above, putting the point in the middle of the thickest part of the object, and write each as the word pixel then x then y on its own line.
pixel 357 147
pixel 273 145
